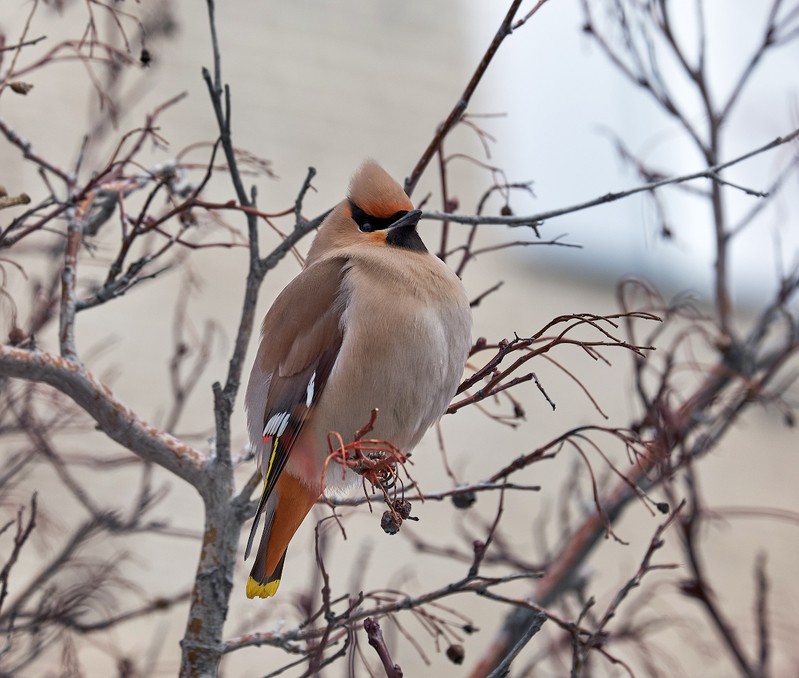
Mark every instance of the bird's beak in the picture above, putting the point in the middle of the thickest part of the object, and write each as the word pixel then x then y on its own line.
pixel 408 220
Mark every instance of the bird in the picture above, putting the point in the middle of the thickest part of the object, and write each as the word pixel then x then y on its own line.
pixel 373 320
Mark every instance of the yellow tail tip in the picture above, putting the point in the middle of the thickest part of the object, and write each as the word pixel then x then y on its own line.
pixel 257 590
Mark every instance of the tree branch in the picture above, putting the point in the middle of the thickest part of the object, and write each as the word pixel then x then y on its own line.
pixel 116 420
pixel 536 219
pixel 459 109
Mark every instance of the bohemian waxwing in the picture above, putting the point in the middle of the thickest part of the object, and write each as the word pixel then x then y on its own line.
pixel 373 321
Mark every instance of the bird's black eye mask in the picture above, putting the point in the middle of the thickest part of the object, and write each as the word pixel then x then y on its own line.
pixel 369 223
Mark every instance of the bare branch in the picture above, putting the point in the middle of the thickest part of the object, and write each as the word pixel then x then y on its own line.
pixel 503 668
pixel 23 532
pixel 114 418
pixel 537 219
pixel 459 109
pixel 376 640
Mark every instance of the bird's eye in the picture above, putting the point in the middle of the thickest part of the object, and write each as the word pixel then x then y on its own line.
pixel 361 218
pixel 369 223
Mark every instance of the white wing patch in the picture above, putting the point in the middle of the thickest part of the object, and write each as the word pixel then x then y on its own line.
pixel 276 425
pixel 309 392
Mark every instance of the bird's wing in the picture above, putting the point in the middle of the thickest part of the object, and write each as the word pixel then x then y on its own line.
pixel 301 338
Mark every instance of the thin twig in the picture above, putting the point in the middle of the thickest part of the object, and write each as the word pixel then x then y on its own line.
pixel 538 218
pixel 463 101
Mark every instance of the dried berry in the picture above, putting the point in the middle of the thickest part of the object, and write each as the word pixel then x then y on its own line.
pixel 403 507
pixel 390 522
pixel 16 336
pixel 456 653
pixel 20 87
pixel 464 500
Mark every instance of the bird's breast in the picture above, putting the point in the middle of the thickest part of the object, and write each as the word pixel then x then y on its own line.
pixel 405 343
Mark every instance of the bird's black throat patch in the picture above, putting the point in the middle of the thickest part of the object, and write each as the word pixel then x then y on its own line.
pixel 407 238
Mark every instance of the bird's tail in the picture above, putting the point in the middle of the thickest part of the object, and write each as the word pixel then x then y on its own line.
pixel 284 511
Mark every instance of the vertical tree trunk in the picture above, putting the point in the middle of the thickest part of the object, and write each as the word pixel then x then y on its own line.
pixel 202 643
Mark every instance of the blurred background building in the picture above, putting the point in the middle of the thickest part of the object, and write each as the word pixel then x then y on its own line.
pixel 326 84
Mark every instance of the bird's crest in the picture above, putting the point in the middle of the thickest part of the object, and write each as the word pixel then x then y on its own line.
pixel 375 192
